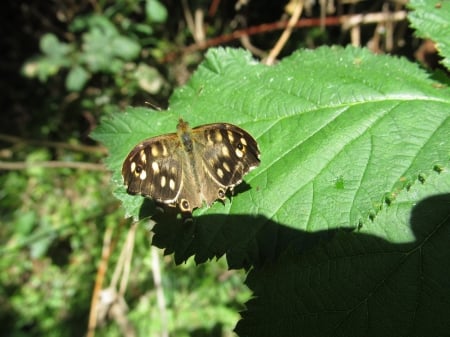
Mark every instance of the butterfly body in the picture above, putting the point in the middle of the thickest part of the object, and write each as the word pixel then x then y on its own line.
pixel 191 167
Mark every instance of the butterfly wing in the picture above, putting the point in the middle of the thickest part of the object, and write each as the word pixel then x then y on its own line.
pixel 229 153
pixel 152 170
pixel 191 167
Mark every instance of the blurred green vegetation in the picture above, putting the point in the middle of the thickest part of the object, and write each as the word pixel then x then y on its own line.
pixel 66 65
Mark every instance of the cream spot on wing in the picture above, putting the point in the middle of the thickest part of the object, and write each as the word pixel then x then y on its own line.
pixel 173 170
pixel 155 167
pixel 133 166
pixel 225 151
pixel 165 153
pixel 230 136
pixel 155 151
pixel 226 166
pixel 220 172
pixel 163 181
pixel 239 153
pixel 143 175
pixel 172 184
pixel 143 156
pixel 243 141
pixel 218 136
pixel 208 136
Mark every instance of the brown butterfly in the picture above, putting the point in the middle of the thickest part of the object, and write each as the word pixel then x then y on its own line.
pixel 191 167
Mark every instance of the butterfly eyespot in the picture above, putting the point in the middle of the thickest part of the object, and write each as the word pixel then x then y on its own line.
pixel 184 205
pixel 138 169
pixel 240 146
pixel 221 194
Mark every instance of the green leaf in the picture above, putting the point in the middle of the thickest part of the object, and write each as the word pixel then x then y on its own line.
pixel 156 12
pixel 364 283
pixel 346 221
pixel 340 130
pixel 104 49
pixel 125 48
pixel 431 19
pixel 52 47
pixel 148 78
pixel 55 56
pixel 77 78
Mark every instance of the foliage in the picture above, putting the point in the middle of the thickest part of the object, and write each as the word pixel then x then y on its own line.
pixel 53 220
pixel 349 140
pixel 103 50
pixel 58 216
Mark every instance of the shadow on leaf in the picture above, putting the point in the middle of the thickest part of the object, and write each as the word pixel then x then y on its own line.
pixel 359 285
pixel 248 241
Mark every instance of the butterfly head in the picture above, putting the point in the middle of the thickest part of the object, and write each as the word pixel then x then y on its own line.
pixel 184 133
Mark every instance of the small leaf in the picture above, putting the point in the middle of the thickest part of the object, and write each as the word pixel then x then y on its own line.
pixel 148 78
pixel 125 48
pixel 77 78
pixel 104 49
pixel 52 47
pixel 156 12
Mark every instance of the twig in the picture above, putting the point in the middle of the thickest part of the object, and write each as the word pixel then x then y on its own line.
pixel 213 8
pixel 60 145
pixel 286 34
pixel 157 279
pixel 189 19
pixel 101 271
pixel 129 248
pixel 108 302
pixel 199 26
pixel 22 165
pixel 347 20
pixel 254 30
pixel 115 298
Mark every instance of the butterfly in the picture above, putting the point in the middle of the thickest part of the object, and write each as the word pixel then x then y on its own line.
pixel 192 167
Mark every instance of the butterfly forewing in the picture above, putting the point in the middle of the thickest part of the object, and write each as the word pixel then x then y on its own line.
pixel 229 153
pixel 152 170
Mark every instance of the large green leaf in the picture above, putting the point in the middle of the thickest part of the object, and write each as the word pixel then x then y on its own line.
pixel 340 130
pixel 431 19
pixel 354 160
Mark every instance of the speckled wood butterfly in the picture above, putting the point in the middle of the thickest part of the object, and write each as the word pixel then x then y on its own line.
pixel 191 167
